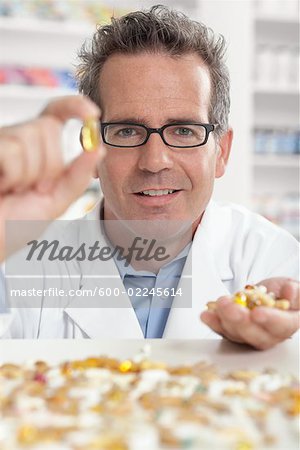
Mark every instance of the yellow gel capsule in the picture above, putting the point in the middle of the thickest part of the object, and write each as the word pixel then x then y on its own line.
pixel 240 299
pixel 90 135
pixel 125 366
pixel 211 306
pixel 294 410
pixel 282 304
pixel 244 445
pixel 27 434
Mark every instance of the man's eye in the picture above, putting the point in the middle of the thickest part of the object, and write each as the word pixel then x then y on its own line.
pixel 126 132
pixel 183 131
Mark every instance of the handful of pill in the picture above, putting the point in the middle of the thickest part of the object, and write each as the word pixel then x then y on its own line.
pixel 253 296
pixel 90 134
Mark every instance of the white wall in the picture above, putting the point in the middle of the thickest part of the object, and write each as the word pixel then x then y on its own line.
pixel 233 19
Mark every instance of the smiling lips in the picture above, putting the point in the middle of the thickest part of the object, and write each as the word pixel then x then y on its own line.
pixel 157 192
pixel 156 197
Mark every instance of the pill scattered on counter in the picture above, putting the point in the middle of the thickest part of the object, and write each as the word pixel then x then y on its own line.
pixel 141 404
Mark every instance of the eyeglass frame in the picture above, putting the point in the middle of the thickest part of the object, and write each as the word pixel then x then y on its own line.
pixel 209 127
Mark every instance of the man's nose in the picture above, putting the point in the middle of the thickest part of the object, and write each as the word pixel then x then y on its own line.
pixel 155 155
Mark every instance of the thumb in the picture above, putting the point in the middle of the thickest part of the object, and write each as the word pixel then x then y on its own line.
pixel 284 288
pixel 75 179
pixel 291 291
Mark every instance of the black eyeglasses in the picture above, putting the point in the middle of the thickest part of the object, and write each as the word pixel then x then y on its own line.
pixel 179 135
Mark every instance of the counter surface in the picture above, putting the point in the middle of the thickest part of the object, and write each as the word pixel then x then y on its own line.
pixel 227 356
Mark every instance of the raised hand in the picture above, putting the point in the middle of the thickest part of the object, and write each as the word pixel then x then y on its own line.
pixel 35 184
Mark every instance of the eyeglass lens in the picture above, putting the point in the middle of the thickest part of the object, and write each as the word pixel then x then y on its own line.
pixel 132 135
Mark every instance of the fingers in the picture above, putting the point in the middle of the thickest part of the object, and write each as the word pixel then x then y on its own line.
pixel 71 107
pixel 212 320
pixel 284 288
pixel 74 181
pixel 280 324
pixel 52 157
pixel 238 326
pixel 291 291
pixel 260 327
pixel 234 322
pixel 31 154
pixel 12 162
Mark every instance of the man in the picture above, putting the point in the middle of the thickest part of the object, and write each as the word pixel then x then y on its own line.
pixel 163 90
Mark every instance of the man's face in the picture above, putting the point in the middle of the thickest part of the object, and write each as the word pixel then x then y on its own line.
pixel 154 90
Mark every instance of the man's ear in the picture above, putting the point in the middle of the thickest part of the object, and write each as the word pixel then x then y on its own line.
pixel 95 174
pixel 224 147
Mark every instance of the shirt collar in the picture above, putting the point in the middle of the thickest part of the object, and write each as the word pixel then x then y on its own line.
pixel 129 270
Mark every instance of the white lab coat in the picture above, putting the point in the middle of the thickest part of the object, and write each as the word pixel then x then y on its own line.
pixel 232 247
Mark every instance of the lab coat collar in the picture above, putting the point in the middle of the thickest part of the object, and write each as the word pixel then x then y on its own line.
pixel 104 316
pixel 206 285
pixel 210 267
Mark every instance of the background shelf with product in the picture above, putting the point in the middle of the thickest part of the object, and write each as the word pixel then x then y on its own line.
pixel 39 41
pixel 276 136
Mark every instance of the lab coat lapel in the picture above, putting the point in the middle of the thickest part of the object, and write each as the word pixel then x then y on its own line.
pixel 110 316
pixel 102 319
pixel 207 285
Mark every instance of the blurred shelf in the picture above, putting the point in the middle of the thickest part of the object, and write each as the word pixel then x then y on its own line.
pixel 17 92
pixel 277 161
pixel 275 90
pixel 42 26
pixel 275 19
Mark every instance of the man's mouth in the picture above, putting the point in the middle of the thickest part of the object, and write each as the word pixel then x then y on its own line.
pixel 157 192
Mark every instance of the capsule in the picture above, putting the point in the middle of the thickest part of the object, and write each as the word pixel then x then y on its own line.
pixel 211 306
pixel 240 298
pixel 90 135
pixel 125 366
pixel 282 304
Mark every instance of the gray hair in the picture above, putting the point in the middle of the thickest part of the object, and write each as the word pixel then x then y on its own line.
pixel 155 30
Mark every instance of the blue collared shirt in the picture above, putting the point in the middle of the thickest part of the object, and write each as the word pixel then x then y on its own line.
pixel 144 289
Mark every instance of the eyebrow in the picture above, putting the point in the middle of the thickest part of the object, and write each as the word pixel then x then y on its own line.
pixel 142 121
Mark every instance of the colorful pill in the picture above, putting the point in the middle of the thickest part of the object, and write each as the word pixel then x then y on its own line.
pixel 211 306
pixel 125 366
pixel 244 445
pixel 241 299
pixel 90 135
pixel 282 304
